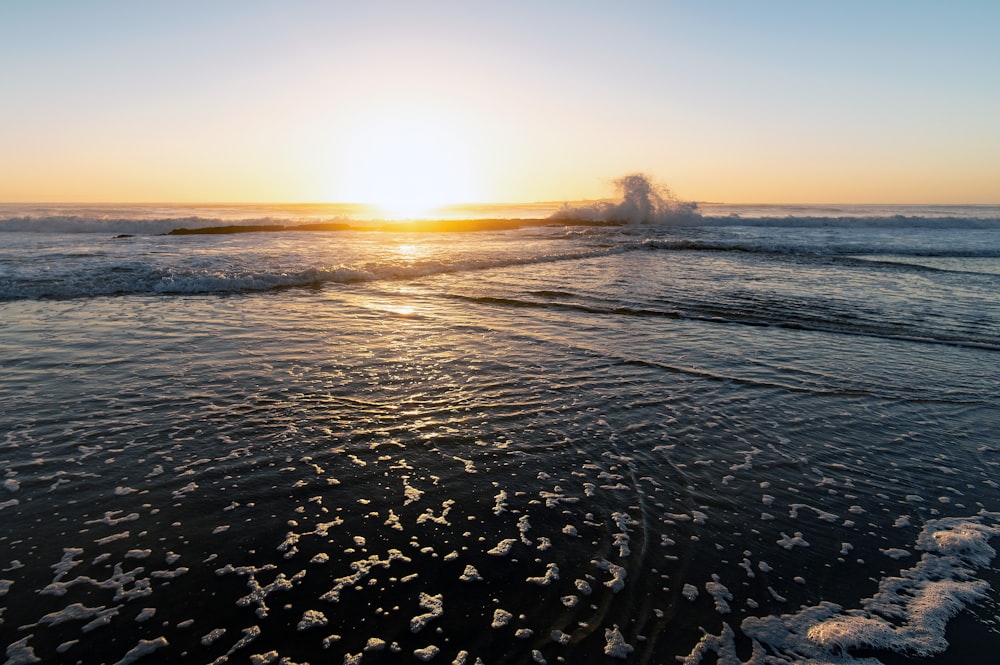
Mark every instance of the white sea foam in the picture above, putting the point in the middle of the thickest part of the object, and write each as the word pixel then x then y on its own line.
pixel 500 504
pixel 412 493
pixel 501 618
pixel 258 592
pixel 210 637
pixel 249 635
pixel 145 614
pixel 907 615
pixel 428 653
pixel 503 548
pixel 435 609
pixel 523 526
pixel 143 648
pixel 312 619
pixel 74 612
pixel 470 574
pixel 642 202
pixel 66 646
pixel 375 644
pixel 720 594
pixel 113 537
pixel 618 574
pixel 393 521
pixel 788 542
pixel 551 575
pixel 362 569
pixel 21 653
pixel 615 644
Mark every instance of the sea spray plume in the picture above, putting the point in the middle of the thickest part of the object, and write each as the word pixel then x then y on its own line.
pixel 642 202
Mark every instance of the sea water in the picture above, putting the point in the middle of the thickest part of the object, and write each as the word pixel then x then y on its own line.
pixel 746 435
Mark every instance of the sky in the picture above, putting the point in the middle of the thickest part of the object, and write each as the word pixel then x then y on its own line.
pixel 421 103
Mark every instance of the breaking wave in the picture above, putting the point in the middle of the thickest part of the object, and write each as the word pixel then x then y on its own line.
pixel 642 202
pixel 138 225
pixel 231 276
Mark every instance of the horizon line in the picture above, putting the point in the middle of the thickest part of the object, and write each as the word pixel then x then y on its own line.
pixel 483 203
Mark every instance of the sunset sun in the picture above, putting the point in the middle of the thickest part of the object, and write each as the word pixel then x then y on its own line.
pixel 406 163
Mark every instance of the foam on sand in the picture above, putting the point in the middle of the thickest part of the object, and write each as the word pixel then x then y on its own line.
pixel 435 608
pixel 923 598
pixel 143 648
pixel 616 646
pixel 503 547
pixel 427 653
pixel 551 575
pixel 470 574
pixel 312 619
pixel 618 574
pixel 501 618
pixel 908 614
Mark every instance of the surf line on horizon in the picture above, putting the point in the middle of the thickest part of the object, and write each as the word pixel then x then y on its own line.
pixel 641 201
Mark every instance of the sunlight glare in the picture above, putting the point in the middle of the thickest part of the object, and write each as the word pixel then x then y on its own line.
pixel 407 162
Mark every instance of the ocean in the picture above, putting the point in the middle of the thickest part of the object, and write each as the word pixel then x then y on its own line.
pixel 728 434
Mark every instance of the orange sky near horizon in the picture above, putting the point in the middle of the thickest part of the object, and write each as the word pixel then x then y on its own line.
pixel 408 108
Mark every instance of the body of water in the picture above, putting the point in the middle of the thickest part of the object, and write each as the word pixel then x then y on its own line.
pixel 750 435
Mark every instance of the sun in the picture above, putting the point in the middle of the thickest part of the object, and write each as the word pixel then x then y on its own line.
pixel 406 162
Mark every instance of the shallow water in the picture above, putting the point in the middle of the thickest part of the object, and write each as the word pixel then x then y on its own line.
pixel 521 447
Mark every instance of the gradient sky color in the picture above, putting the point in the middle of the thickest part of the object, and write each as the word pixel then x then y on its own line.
pixel 874 101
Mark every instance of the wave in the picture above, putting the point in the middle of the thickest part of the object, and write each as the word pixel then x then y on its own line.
pixel 599 213
pixel 642 202
pixel 136 278
pixel 761 317
pixel 65 275
pixel 126 225
pixel 889 221
pixel 776 246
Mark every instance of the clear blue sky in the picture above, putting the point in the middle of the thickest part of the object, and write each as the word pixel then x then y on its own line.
pixel 877 101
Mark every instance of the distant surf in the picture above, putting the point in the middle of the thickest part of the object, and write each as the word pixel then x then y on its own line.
pixel 641 201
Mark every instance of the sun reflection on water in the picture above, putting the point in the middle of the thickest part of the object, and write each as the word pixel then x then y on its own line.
pixel 409 251
pixel 402 310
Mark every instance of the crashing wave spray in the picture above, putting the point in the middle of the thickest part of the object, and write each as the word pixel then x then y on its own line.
pixel 642 202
